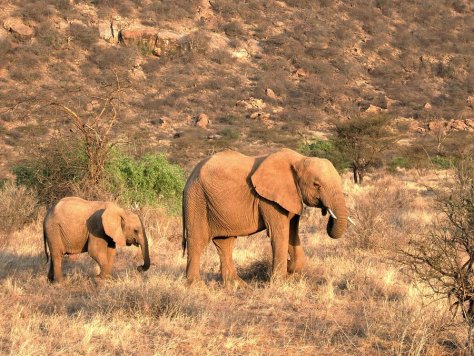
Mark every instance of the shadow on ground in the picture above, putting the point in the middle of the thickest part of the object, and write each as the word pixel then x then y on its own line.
pixel 258 272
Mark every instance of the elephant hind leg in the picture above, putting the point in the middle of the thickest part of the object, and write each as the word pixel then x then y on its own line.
pixel 55 273
pixel 195 250
pixel 51 271
pixel 225 246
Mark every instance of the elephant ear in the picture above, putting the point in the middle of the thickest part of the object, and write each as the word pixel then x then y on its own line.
pixel 275 180
pixel 112 218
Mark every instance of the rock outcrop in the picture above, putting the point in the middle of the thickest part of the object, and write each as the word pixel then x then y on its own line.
pixel 202 121
pixel 16 26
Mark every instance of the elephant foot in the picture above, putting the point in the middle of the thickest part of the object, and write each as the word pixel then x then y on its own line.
pixel 278 277
pixel 101 278
pixel 294 269
pixel 55 281
pixel 235 283
pixel 100 281
pixel 194 282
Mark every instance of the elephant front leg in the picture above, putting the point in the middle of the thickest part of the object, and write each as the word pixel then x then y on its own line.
pixel 295 250
pixel 103 254
pixel 279 239
pixel 106 270
pixel 225 246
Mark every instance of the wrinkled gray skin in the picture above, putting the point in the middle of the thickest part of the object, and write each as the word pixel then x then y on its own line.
pixel 75 225
pixel 231 195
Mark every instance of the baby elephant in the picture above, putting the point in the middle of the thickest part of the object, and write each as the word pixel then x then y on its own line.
pixel 75 225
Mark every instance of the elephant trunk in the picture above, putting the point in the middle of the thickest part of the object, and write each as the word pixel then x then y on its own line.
pixel 145 252
pixel 336 227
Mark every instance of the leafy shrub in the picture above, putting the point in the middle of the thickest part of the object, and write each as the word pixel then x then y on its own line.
pixel 399 162
pixel 325 149
pixel 113 57
pixel 230 133
pixel 85 36
pixel 149 180
pixel 442 162
pixel 26 71
pixel 233 29
pixel 50 37
pixel 171 9
pixel 221 56
pixel 61 169
pixel 18 207
pixel 37 11
pixel 54 171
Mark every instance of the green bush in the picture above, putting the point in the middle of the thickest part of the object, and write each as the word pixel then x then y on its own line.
pixel 442 162
pixel 399 162
pixel 230 134
pixel 325 149
pixel 149 180
pixel 60 169
pixel 54 171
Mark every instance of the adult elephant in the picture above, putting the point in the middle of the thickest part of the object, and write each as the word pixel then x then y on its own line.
pixel 75 225
pixel 230 194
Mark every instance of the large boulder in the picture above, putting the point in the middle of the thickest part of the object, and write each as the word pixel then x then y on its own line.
pixel 458 125
pixel 106 31
pixel 3 34
pixel 139 36
pixel 251 104
pixel 202 121
pixel 152 40
pixel 16 26
pixel 470 124
pixel 438 126
pixel 271 94
pixel 168 42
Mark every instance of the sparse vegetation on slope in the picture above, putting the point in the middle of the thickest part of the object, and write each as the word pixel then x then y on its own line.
pixel 307 61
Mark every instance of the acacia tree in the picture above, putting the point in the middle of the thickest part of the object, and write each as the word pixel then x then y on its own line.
pixel 94 129
pixel 74 161
pixel 444 258
pixel 362 141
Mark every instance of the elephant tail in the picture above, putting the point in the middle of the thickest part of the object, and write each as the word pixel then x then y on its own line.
pixel 45 246
pixel 185 232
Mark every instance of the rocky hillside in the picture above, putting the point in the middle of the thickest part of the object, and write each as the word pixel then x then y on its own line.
pixel 204 75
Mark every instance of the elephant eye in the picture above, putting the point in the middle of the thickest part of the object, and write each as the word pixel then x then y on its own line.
pixel 135 231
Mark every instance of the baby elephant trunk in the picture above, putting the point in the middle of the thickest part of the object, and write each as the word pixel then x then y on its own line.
pixel 145 252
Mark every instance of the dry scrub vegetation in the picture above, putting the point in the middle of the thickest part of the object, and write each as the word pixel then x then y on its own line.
pixel 296 73
pixel 352 299
pixel 321 59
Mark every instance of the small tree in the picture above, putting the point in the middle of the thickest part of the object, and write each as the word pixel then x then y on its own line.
pixel 94 130
pixel 440 131
pixel 74 162
pixel 362 141
pixel 444 258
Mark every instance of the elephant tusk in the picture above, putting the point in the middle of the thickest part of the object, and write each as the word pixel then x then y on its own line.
pixel 351 221
pixel 332 214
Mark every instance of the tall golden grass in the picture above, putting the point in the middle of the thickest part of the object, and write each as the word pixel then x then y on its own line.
pixel 352 298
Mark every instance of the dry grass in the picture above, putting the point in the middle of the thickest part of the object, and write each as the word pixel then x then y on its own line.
pixel 352 298
pixel 18 207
